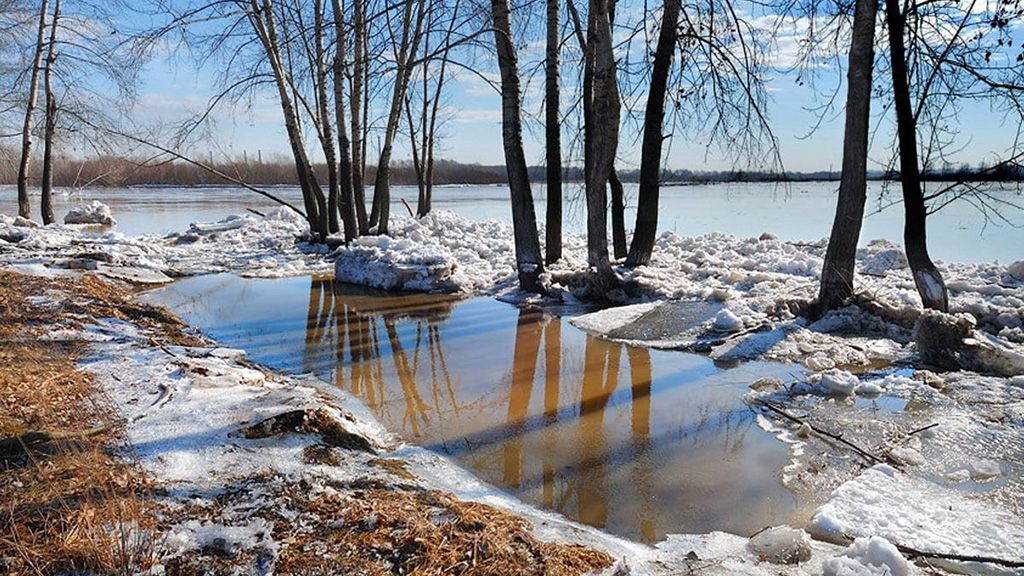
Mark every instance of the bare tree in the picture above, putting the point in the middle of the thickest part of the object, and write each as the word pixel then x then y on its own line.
pixel 346 174
pixel 359 103
pixel 601 133
pixel 553 137
pixel 529 265
pixel 405 53
pixel 651 148
pixel 930 285
pixel 24 207
pixel 261 17
pixel 840 259
pixel 51 119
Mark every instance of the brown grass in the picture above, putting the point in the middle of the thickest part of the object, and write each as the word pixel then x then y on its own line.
pixel 74 504
pixel 427 533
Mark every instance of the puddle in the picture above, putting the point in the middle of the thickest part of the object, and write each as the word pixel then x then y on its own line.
pixel 639 442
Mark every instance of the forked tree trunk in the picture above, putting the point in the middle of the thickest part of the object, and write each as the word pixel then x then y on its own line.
pixel 618 215
pixel 840 258
pixel 347 198
pixel 930 285
pixel 524 222
pixel 553 139
pixel 650 153
pixel 381 211
pixel 51 121
pixel 601 134
pixel 24 207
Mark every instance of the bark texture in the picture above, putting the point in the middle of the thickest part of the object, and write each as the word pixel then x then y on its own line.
pixel 24 207
pixel 840 258
pixel 601 133
pixel 50 129
pixel 930 285
pixel 524 222
pixel 651 148
pixel 553 139
pixel 347 200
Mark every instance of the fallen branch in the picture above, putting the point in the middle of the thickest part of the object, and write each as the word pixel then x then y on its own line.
pixel 913 553
pixel 836 437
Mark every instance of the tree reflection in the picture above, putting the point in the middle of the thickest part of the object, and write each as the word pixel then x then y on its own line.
pixel 585 445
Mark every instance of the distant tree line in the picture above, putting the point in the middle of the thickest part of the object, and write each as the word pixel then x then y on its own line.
pixel 115 171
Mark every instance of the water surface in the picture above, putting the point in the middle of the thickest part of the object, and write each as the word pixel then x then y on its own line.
pixel 639 442
pixel 798 211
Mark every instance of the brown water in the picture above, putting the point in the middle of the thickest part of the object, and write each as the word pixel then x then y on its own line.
pixel 639 442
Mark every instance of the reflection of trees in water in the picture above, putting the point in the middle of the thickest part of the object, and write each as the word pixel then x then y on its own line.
pixel 584 479
pixel 345 322
pixel 389 351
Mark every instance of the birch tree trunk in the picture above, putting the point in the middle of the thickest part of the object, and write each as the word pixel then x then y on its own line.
pixel 24 207
pixel 524 223
pixel 346 175
pixel 51 121
pixel 553 139
pixel 651 148
pixel 326 130
pixel 358 75
pixel 840 258
pixel 930 285
pixel 261 16
pixel 407 51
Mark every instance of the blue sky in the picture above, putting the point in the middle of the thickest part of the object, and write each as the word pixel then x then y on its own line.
pixel 171 89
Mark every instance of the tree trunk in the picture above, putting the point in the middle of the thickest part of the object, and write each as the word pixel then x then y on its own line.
pixel 347 198
pixel 601 134
pixel 24 207
pixel 553 139
pixel 929 282
pixel 618 215
pixel 650 153
pixel 326 131
pixel 435 106
pixel 524 223
pixel 51 121
pixel 358 76
pixel 840 259
pixel 407 51
pixel 262 19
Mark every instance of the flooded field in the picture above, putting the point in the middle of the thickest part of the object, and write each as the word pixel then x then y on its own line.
pixel 640 442
pixel 797 212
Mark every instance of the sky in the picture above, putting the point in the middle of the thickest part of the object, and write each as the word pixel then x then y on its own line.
pixel 172 89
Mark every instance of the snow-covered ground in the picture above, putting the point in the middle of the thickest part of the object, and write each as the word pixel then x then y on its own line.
pixel 201 420
pixel 944 452
pixel 261 246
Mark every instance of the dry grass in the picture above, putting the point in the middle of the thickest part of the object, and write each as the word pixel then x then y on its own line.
pixel 426 533
pixel 83 505
pixel 72 504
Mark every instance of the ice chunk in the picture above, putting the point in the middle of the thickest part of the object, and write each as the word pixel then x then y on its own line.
pixel 985 469
pixel 94 212
pixel 782 545
pixel 1016 269
pixel 838 382
pixel 868 557
pixel 919 514
pixel 726 321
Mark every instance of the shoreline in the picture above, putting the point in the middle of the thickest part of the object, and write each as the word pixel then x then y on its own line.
pixel 232 394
